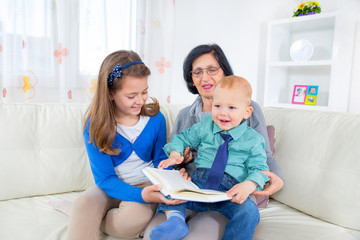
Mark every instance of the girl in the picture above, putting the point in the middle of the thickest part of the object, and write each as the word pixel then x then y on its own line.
pixel 122 136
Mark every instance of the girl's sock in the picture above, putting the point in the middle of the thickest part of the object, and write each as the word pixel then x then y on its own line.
pixel 174 228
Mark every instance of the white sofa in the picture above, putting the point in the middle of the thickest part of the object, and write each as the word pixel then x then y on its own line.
pixel 42 156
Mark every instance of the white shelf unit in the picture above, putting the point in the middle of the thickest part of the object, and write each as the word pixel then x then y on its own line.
pixel 332 37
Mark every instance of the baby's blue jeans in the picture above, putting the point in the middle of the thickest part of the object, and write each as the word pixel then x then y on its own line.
pixel 243 218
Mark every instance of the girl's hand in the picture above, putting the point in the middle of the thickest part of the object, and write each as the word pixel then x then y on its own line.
pixel 152 194
pixel 241 191
pixel 185 174
pixel 275 184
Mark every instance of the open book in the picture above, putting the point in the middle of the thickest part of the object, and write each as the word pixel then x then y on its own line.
pixel 174 186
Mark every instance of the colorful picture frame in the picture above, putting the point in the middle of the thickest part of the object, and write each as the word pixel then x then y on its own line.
pixel 299 94
pixel 311 95
pixel 305 94
pixel 310 100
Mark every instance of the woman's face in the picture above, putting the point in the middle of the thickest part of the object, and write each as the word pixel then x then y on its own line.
pixel 205 83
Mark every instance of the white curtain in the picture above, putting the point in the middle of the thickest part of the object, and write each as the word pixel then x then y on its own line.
pixel 155 43
pixel 51 50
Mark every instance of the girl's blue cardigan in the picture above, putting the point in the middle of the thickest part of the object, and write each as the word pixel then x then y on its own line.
pixel 148 146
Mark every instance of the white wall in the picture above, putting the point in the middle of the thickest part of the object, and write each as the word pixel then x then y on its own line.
pixel 239 27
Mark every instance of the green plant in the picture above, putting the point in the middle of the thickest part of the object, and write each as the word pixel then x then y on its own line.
pixel 307 8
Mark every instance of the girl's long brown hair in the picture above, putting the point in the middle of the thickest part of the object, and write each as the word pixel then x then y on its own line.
pixel 101 111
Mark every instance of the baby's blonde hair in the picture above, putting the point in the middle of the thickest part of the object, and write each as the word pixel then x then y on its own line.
pixel 237 83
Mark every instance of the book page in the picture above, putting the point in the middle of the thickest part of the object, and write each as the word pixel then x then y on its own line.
pixel 154 179
pixel 171 179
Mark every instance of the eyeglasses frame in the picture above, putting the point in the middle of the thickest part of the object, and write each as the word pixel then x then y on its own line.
pixel 202 71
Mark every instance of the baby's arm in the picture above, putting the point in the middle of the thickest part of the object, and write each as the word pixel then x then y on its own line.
pixel 241 191
pixel 174 158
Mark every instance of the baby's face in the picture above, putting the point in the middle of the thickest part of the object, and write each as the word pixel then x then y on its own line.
pixel 229 108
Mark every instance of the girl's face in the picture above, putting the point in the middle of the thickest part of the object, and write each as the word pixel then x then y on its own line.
pixel 130 98
pixel 205 83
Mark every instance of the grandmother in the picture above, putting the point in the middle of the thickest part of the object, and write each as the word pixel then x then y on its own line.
pixel 203 68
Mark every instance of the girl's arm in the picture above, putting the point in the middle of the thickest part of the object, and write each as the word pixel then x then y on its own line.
pixel 105 176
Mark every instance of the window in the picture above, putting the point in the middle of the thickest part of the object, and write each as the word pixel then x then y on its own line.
pixel 61 42
pixel 105 26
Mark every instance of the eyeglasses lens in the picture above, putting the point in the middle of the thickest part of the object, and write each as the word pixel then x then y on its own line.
pixel 211 71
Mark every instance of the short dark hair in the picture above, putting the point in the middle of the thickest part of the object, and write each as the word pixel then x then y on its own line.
pixel 216 51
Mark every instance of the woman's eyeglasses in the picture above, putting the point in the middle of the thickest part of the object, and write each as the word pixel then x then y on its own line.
pixel 211 71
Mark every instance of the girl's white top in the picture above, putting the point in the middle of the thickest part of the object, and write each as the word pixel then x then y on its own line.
pixel 129 171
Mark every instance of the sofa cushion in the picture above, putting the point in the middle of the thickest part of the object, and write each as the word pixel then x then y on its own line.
pixel 36 219
pixel 170 112
pixel 282 222
pixel 318 153
pixel 271 135
pixel 42 150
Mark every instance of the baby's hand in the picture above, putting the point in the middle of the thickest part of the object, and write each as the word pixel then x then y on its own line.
pixel 173 159
pixel 241 191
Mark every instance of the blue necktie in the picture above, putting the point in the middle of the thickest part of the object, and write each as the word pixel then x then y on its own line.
pixel 218 167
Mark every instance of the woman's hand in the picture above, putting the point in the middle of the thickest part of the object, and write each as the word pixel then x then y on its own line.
pixel 187 154
pixel 152 194
pixel 274 185
pixel 185 174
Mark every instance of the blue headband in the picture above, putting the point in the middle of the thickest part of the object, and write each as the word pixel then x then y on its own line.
pixel 117 71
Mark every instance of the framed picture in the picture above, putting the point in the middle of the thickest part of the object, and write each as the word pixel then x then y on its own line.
pixel 311 95
pixel 310 100
pixel 299 94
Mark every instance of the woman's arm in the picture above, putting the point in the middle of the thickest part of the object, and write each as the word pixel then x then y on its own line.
pixel 275 184
pixel 257 122
pixel 183 121
pixel 158 153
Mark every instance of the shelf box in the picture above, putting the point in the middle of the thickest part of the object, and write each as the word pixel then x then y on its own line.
pixel 332 36
pixel 319 31
pixel 283 80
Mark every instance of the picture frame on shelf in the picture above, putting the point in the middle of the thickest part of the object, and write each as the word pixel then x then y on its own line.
pixel 311 95
pixel 299 94
pixel 305 94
